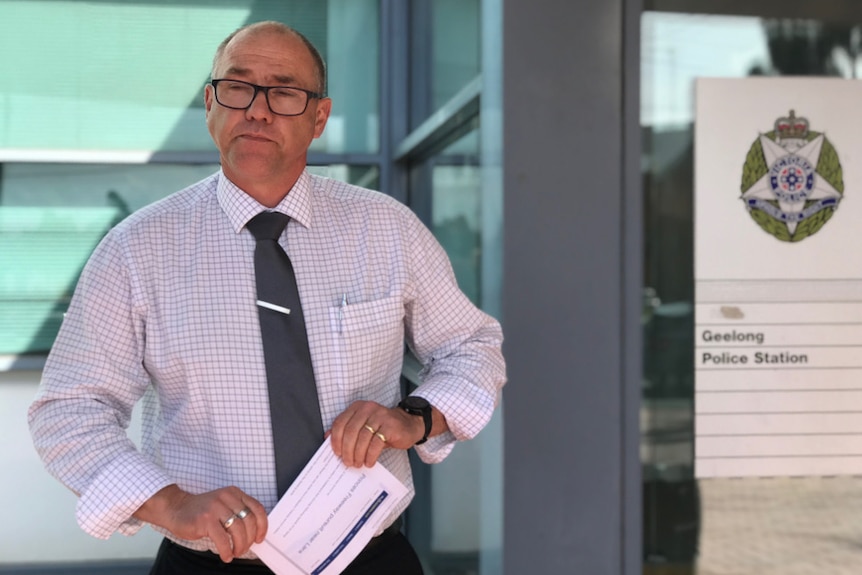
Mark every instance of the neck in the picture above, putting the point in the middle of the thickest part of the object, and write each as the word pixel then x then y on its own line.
pixel 266 192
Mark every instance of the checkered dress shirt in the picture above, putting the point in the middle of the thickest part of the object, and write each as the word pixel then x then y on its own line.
pixel 165 310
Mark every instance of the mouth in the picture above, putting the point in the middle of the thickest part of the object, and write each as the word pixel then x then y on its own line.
pixel 254 137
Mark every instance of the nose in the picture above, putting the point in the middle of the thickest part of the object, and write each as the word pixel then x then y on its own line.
pixel 259 108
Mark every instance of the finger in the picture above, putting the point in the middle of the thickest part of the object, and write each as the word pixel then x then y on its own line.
pixel 222 539
pixel 250 531
pixel 352 433
pixel 258 517
pixel 364 441
pixel 249 524
pixel 375 448
pixel 236 511
pixel 337 432
pixel 239 536
pixel 348 429
pixel 252 521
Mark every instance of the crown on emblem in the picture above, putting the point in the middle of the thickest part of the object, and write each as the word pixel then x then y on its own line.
pixel 791 127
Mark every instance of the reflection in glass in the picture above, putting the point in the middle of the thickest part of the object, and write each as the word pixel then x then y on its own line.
pixel 53 215
pixel 54 102
pixel 358 175
pixel 352 52
pixel 455 49
pixel 51 218
pixel 448 535
pixel 456 210
pixel 718 526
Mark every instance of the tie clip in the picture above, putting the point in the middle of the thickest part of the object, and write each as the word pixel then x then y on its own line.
pixel 273 307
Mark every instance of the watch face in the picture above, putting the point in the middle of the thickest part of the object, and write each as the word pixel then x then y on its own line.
pixel 414 402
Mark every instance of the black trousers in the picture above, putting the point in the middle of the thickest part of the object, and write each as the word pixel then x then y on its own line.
pixel 389 554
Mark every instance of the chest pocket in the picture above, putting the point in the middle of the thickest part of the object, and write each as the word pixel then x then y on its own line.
pixel 369 345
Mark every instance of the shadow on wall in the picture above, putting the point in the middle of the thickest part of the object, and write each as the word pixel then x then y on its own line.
pixel 44 249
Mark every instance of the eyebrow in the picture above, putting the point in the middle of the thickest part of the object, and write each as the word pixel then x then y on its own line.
pixel 245 72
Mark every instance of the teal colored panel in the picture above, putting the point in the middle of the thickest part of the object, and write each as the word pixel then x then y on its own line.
pixel 29 326
pixel 99 75
pixel 42 253
pixel 130 76
pixel 455 47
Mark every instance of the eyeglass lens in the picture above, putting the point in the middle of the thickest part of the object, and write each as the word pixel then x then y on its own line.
pixel 239 95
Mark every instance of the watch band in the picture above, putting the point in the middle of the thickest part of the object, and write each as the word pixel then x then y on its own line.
pixel 419 406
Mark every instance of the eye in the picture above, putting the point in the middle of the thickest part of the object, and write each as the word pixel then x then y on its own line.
pixel 236 87
pixel 285 93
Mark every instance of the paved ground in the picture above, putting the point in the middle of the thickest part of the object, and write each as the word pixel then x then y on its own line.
pixel 786 526
pixel 751 526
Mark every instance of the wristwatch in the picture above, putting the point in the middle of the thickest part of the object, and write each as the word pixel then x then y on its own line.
pixel 415 405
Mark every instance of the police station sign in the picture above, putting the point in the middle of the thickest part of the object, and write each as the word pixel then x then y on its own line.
pixel 778 277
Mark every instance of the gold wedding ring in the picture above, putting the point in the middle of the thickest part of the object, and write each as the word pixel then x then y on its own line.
pixel 379 435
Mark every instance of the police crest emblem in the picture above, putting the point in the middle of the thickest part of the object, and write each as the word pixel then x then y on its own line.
pixel 792 181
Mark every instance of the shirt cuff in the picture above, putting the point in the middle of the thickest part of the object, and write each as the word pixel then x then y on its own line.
pixel 107 505
pixel 467 408
pixel 437 448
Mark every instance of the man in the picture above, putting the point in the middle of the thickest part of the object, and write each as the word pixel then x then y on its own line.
pixel 167 309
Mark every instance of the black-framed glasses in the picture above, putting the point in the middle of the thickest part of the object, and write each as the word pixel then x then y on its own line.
pixel 282 100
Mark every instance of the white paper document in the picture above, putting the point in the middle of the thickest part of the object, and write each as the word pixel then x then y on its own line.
pixel 328 515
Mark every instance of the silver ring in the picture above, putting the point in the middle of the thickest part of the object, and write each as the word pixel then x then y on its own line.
pixel 243 513
pixel 229 521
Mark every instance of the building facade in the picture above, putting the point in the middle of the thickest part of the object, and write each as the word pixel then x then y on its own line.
pixel 549 146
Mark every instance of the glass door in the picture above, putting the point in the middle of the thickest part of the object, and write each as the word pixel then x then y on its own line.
pixel 740 525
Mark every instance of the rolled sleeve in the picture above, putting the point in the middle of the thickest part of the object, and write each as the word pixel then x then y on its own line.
pixel 91 381
pixel 437 448
pixel 459 347
pixel 121 487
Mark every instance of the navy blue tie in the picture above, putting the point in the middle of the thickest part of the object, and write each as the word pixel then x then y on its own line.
pixel 294 408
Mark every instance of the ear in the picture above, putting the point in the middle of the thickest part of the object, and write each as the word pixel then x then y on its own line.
pixel 321 115
pixel 209 96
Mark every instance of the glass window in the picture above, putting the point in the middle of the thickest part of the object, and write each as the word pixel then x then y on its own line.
pixel 446 53
pixel 457 192
pixel 455 207
pixel 444 524
pixel 122 82
pixel 353 64
pixel 744 526
pixel 51 218
pixel 130 75
pixel 455 47
pixel 358 175
pixel 53 215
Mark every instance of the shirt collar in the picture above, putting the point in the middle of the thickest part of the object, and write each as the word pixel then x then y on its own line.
pixel 241 207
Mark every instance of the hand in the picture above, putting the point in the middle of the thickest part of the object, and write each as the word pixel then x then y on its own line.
pixel 364 429
pixel 193 517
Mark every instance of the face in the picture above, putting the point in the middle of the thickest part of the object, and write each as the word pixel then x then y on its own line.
pixel 261 152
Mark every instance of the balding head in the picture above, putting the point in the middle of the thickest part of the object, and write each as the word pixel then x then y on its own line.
pixel 273 27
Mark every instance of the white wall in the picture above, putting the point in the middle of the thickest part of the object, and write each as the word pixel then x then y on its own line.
pixel 37 523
